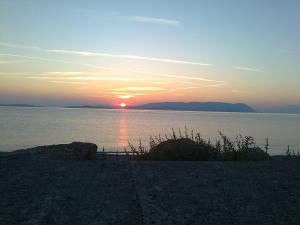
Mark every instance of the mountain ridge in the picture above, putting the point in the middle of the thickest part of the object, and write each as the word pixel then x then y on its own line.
pixel 20 105
pixel 196 106
pixel 185 106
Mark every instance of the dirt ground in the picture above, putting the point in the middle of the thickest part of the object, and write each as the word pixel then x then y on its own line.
pixel 117 191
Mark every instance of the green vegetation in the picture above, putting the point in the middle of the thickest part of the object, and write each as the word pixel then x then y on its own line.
pixel 192 147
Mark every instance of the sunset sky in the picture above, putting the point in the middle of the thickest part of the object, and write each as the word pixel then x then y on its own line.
pixel 108 52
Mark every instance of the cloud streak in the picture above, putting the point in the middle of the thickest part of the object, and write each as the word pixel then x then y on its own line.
pixel 137 89
pixel 134 57
pixel 108 79
pixel 128 96
pixel 19 46
pixel 182 77
pixel 285 51
pixel 66 82
pixel 88 78
pixel 99 54
pixel 249 69
pixel 34 58
pixel 161 21
pixel 13 61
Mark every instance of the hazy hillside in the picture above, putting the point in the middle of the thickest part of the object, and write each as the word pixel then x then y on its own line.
pixel 20 105
pixel 91 107
pixel 197 106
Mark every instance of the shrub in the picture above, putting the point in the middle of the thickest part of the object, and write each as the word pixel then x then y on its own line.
pixel 193 147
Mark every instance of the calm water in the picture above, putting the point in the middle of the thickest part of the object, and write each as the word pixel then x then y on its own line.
pixel 28 127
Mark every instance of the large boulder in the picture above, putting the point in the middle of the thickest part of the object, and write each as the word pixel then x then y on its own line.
pixel 255 154
pixel 187 149
pixel 179 149
pixel 73 151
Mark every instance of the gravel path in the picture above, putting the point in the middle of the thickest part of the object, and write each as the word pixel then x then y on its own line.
pixel 67 193
pixel 117 191
pixel 182 193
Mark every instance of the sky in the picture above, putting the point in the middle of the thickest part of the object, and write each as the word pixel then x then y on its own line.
pixel 137 51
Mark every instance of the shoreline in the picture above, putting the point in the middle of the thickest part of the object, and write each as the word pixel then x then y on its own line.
pixel 122 153
pixel 152 110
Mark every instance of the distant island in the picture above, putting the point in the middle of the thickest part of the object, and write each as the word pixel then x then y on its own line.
pixel 197 106
pixel 20 105
pixel 187 106
pixel 182 106
pixel 91 107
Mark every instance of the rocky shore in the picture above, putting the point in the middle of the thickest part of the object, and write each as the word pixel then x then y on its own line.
pixel 36 190
pixel 72 151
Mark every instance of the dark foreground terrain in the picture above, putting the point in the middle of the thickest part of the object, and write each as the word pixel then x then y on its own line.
pixel 143 192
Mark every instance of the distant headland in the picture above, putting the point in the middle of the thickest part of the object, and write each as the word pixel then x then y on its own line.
pixel 197 106
pixel 20 105
pixel 186 106
pixel 183 106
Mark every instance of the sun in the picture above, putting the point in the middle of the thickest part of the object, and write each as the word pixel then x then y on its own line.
pixel 123 105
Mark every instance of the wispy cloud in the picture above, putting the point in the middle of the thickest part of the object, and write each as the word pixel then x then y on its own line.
pixel 134 57
pixel 19 46
pixel 187 88
pixel 80 73
pixel 108 78
pixel 88 76
pixel 180 76
pixel 38 78
pixel 145 19
pixel 249 69
pixel 215 85
pixel 66 82
pixel 187 82
pixel 137 89
pixel 128 96
pixel 98 54
pixel 285 51
pixel 34 58
pixel 14 73
pixel 13 61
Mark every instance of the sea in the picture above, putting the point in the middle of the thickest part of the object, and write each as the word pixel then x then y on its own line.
pixel 112 129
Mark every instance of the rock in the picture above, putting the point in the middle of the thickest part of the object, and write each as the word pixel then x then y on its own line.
pixel 190 150
pixel 157 188
pixel 257 154
pixel 73 151
pixel 179 149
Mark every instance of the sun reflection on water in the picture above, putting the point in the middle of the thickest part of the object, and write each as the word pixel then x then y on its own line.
pixel 123 138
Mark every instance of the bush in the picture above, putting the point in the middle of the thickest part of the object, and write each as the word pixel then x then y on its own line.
pixel 193 147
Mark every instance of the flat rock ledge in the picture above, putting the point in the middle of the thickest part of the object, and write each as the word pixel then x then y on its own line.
pixel 72 151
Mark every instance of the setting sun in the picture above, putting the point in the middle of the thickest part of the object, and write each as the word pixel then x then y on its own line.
pixel 123 105
pixel 191 105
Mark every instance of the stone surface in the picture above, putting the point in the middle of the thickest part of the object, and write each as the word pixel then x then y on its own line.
pixel 74 151
pixel 70 192
pixel 257 154
pixel 225 193
pixel 187 149
pixel 179 149
pixel 120 192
